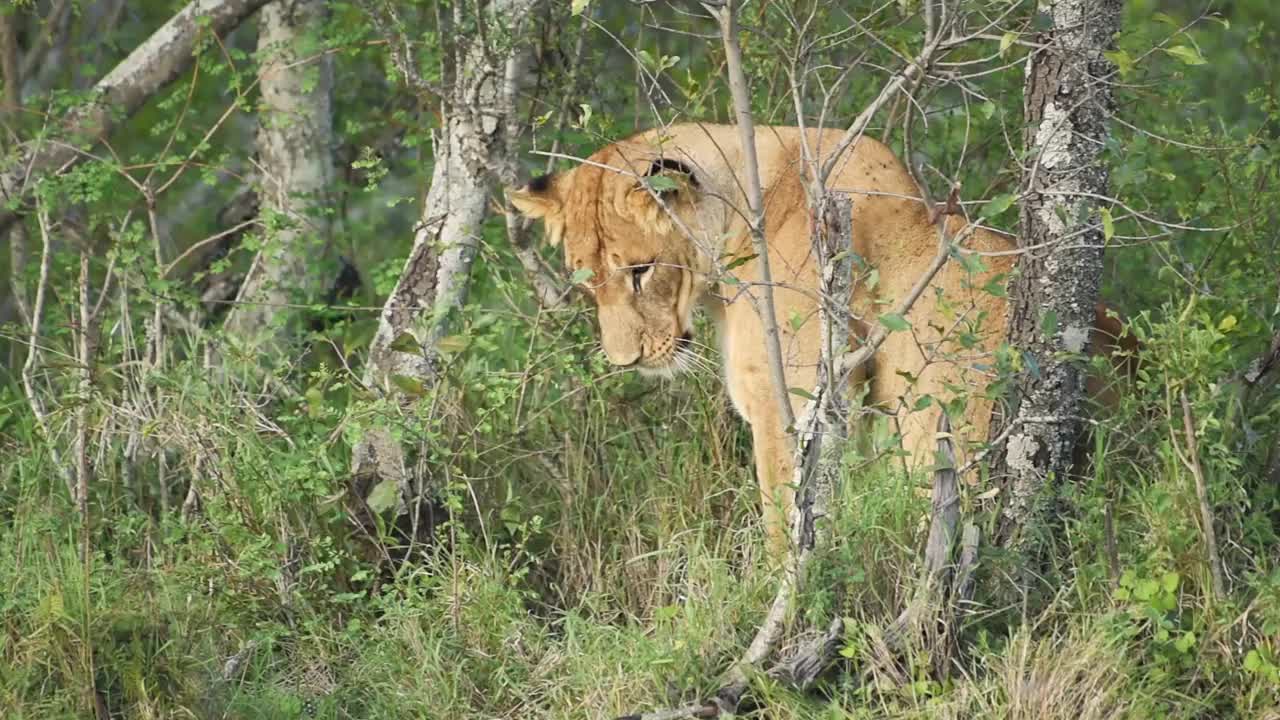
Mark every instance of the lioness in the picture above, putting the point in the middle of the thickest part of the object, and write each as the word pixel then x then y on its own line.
pixel 649 271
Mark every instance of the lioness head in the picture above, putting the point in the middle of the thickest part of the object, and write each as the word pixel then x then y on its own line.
pixel 622 217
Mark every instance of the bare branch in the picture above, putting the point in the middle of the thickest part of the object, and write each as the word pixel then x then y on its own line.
pixel 726 15
pixel 166 54
pixel 1191 459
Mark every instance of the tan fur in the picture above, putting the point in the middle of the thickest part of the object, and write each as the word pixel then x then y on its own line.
pixel 610 223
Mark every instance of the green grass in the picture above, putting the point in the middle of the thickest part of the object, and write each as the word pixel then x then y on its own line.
pixel 601 555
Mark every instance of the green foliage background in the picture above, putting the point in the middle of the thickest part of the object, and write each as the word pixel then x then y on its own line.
pixel 630 571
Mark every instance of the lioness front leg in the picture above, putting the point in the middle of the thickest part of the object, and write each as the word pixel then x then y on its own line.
pixel 774 469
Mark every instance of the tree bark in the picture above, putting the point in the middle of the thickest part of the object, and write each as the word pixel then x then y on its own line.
pixel 11 68
pixel 1067 104
pixel 475 147
pixel 152 65
pixel 295 148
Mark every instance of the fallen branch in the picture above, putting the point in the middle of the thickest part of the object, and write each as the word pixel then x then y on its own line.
pixel 941 592
pixel 937 553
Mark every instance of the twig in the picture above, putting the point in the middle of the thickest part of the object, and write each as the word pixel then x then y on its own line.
pixel 33 348
pixel 83 342
pixel 1192 461
pixel 725 15
pixel 151 65
pixel 850 361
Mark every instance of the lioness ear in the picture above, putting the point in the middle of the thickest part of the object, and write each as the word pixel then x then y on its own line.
pixel 538 199
pixel 669 176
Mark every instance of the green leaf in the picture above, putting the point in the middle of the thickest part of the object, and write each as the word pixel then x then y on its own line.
pixel 1049 323
pixel 997 205
pixel 405 342
pixel 796 321
pixel 1006 42
pixel 581 275
pixel 1108 225
pixel 410 386
pixel 802 393
pixel 894 322
pixel 1186 642
pixel 662 183
pixel 1228 323
pixel 578 6
pixel 1124 62
pixel 1253 661
pixel 453 343
pixel 1146 589
pixel 973 263
pixel 922 402
pixel 1187 54
pixel 384 496
pixel 315 401
pixel 741 260
pixel 1169 581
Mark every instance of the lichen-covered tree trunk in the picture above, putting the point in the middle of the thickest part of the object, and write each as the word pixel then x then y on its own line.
pixel 295 150
pixel 474 149
pixel 1067 103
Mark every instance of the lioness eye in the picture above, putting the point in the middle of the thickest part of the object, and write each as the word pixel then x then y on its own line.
pixel 637 274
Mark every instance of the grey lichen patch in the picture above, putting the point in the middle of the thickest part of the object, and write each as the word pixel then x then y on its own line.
pixel 1053 137
pixel 1021 452
pixel 1075 338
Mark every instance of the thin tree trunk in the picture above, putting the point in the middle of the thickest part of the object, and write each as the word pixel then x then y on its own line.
pixel 475 147
pixel 9 119
pixel 295 147
pixel 84 388
pixel 1067 103
pixel 726 16
pixel 155 63
pixel 11 68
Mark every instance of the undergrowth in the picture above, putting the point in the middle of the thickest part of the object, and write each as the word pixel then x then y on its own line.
pixel 596 550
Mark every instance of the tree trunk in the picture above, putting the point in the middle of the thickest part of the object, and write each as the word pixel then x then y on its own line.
pixel 1067 103
pixel 474 148
pixel 152 65
pixel 295 148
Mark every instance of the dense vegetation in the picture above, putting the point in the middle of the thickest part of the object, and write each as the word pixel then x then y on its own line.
pixel 590 545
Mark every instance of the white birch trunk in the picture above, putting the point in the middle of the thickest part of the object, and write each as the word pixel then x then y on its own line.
pixel 295 150
pixel 474 149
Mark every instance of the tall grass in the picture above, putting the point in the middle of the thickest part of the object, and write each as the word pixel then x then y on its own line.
pixel 598 549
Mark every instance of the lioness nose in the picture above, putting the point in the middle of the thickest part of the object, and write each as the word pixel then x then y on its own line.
pixel 624 359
